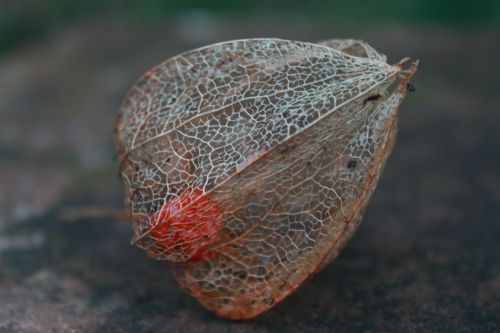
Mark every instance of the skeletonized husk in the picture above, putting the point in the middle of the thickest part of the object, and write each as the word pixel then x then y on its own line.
pixel 287 139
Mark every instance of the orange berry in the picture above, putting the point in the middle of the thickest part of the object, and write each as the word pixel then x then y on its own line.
pixel 186 225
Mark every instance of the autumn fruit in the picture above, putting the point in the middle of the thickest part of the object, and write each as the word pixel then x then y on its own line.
pixel 248 164
pixel 186 225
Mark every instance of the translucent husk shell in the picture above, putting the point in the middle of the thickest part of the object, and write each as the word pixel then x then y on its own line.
pixel 284 140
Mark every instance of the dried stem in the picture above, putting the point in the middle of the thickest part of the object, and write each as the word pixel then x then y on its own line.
pixel 76 214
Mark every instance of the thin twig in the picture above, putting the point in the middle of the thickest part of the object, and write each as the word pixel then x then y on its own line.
pixel 77 214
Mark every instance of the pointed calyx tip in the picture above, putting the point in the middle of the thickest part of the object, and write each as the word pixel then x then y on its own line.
pixel 405 74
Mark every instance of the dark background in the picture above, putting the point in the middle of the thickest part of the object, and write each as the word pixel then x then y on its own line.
pixel 426 258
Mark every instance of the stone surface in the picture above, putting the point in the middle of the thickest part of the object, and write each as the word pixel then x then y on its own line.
pixel 425 258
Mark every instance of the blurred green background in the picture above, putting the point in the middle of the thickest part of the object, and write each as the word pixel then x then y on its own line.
pixel 23 20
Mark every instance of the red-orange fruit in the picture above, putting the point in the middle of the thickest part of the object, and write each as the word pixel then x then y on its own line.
pixel 187 224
